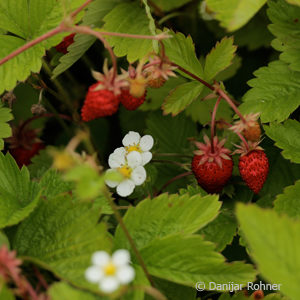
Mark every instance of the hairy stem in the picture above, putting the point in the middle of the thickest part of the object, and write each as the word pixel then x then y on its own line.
pixel 80 8
pixel 131 241
pixel 213 121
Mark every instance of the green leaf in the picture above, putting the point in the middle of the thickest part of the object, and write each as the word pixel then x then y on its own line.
pixel 296 2
pixel 5 292
pixel 230 71
pixel 286 27
pixel 82 42
pixel 62 290
pixel 275 92
pixel 234 14
pixel 181 50
pixel 5 130
pixel 286 137
pixel 170 5
pixel 40 164
pixel 274 243
pixel 171 134
pixel 170 258
pixel 18 195
pixel 26 20
pixel 61 237
pixel 156 97
pixel 3 240
pixel 20 67
pixel 120 20
pixel 181 97
pixel 166 215
pixel 219 58
pixel 220 231
pixel 288 202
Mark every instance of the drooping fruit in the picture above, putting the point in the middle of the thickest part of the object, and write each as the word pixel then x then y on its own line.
pixel 24 144
pixel 99 103
pixel 212 167
pixel 62 47
pixel 249 127
pixel 130 102
pixel 253 166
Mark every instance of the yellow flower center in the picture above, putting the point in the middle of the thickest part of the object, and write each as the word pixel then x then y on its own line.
pixel 133 148
pixel 110 269
pixel 125 171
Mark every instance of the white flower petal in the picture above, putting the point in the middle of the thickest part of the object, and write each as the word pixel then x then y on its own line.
pixel 100 258
pixel 134 159
pixel 146 142
pixel 117 159
pixel 146 157
pixel 121 257
pixel 94 274
pixel 125 274
pixel 125 188
pixel 109 284
pixel 110 183
pixel 131 138
pixel 139 175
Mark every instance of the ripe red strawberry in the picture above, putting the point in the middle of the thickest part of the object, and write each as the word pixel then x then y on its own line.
pixel 254 168
pixel 212 168
pixel 99 103
pixel 24 144
pixel 65 43
pixel 130 102
pixel 257 295
pixel 23 155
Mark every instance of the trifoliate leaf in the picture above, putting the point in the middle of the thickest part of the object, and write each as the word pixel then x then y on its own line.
pixel 18 195
pixel 120 20
pixel 288 202
pixel 167 215
pixel 233 14
pixel 286 27
pixel 156 97
pixel 274 244
pixel 82 42
pixel 275 92
pixel 219 58
pixel 170 258
pixel 231 70
pixel 181 50
pixel 5 129
pixel 62 237
pixel 181 97
pixel 286 137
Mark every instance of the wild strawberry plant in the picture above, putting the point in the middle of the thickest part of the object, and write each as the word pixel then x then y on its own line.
pixel 150 149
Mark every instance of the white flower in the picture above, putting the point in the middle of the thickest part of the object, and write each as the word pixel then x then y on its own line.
pixel 130 166
pixel 134 142
pixel 110 271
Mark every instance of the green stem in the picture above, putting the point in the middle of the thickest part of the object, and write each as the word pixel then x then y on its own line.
pixel 131 241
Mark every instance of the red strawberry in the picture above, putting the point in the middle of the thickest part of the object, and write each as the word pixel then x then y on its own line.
pixel 99 103
pixel 66 42
pixel 24 144
pixel 23 156
pixel 254 168
pixel 130 102
pixel 212 168
pixel 257 295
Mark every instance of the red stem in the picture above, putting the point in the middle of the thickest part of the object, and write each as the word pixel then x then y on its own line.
pixel 212 127
pixel 172 180
pixel 80 8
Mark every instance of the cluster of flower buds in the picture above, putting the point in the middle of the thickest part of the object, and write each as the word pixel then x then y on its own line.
pixel 129 161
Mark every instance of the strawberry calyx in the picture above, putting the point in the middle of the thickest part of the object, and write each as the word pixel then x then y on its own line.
pixel 212 155
pixel 108 81
pixel 250 121
pixel 242 149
